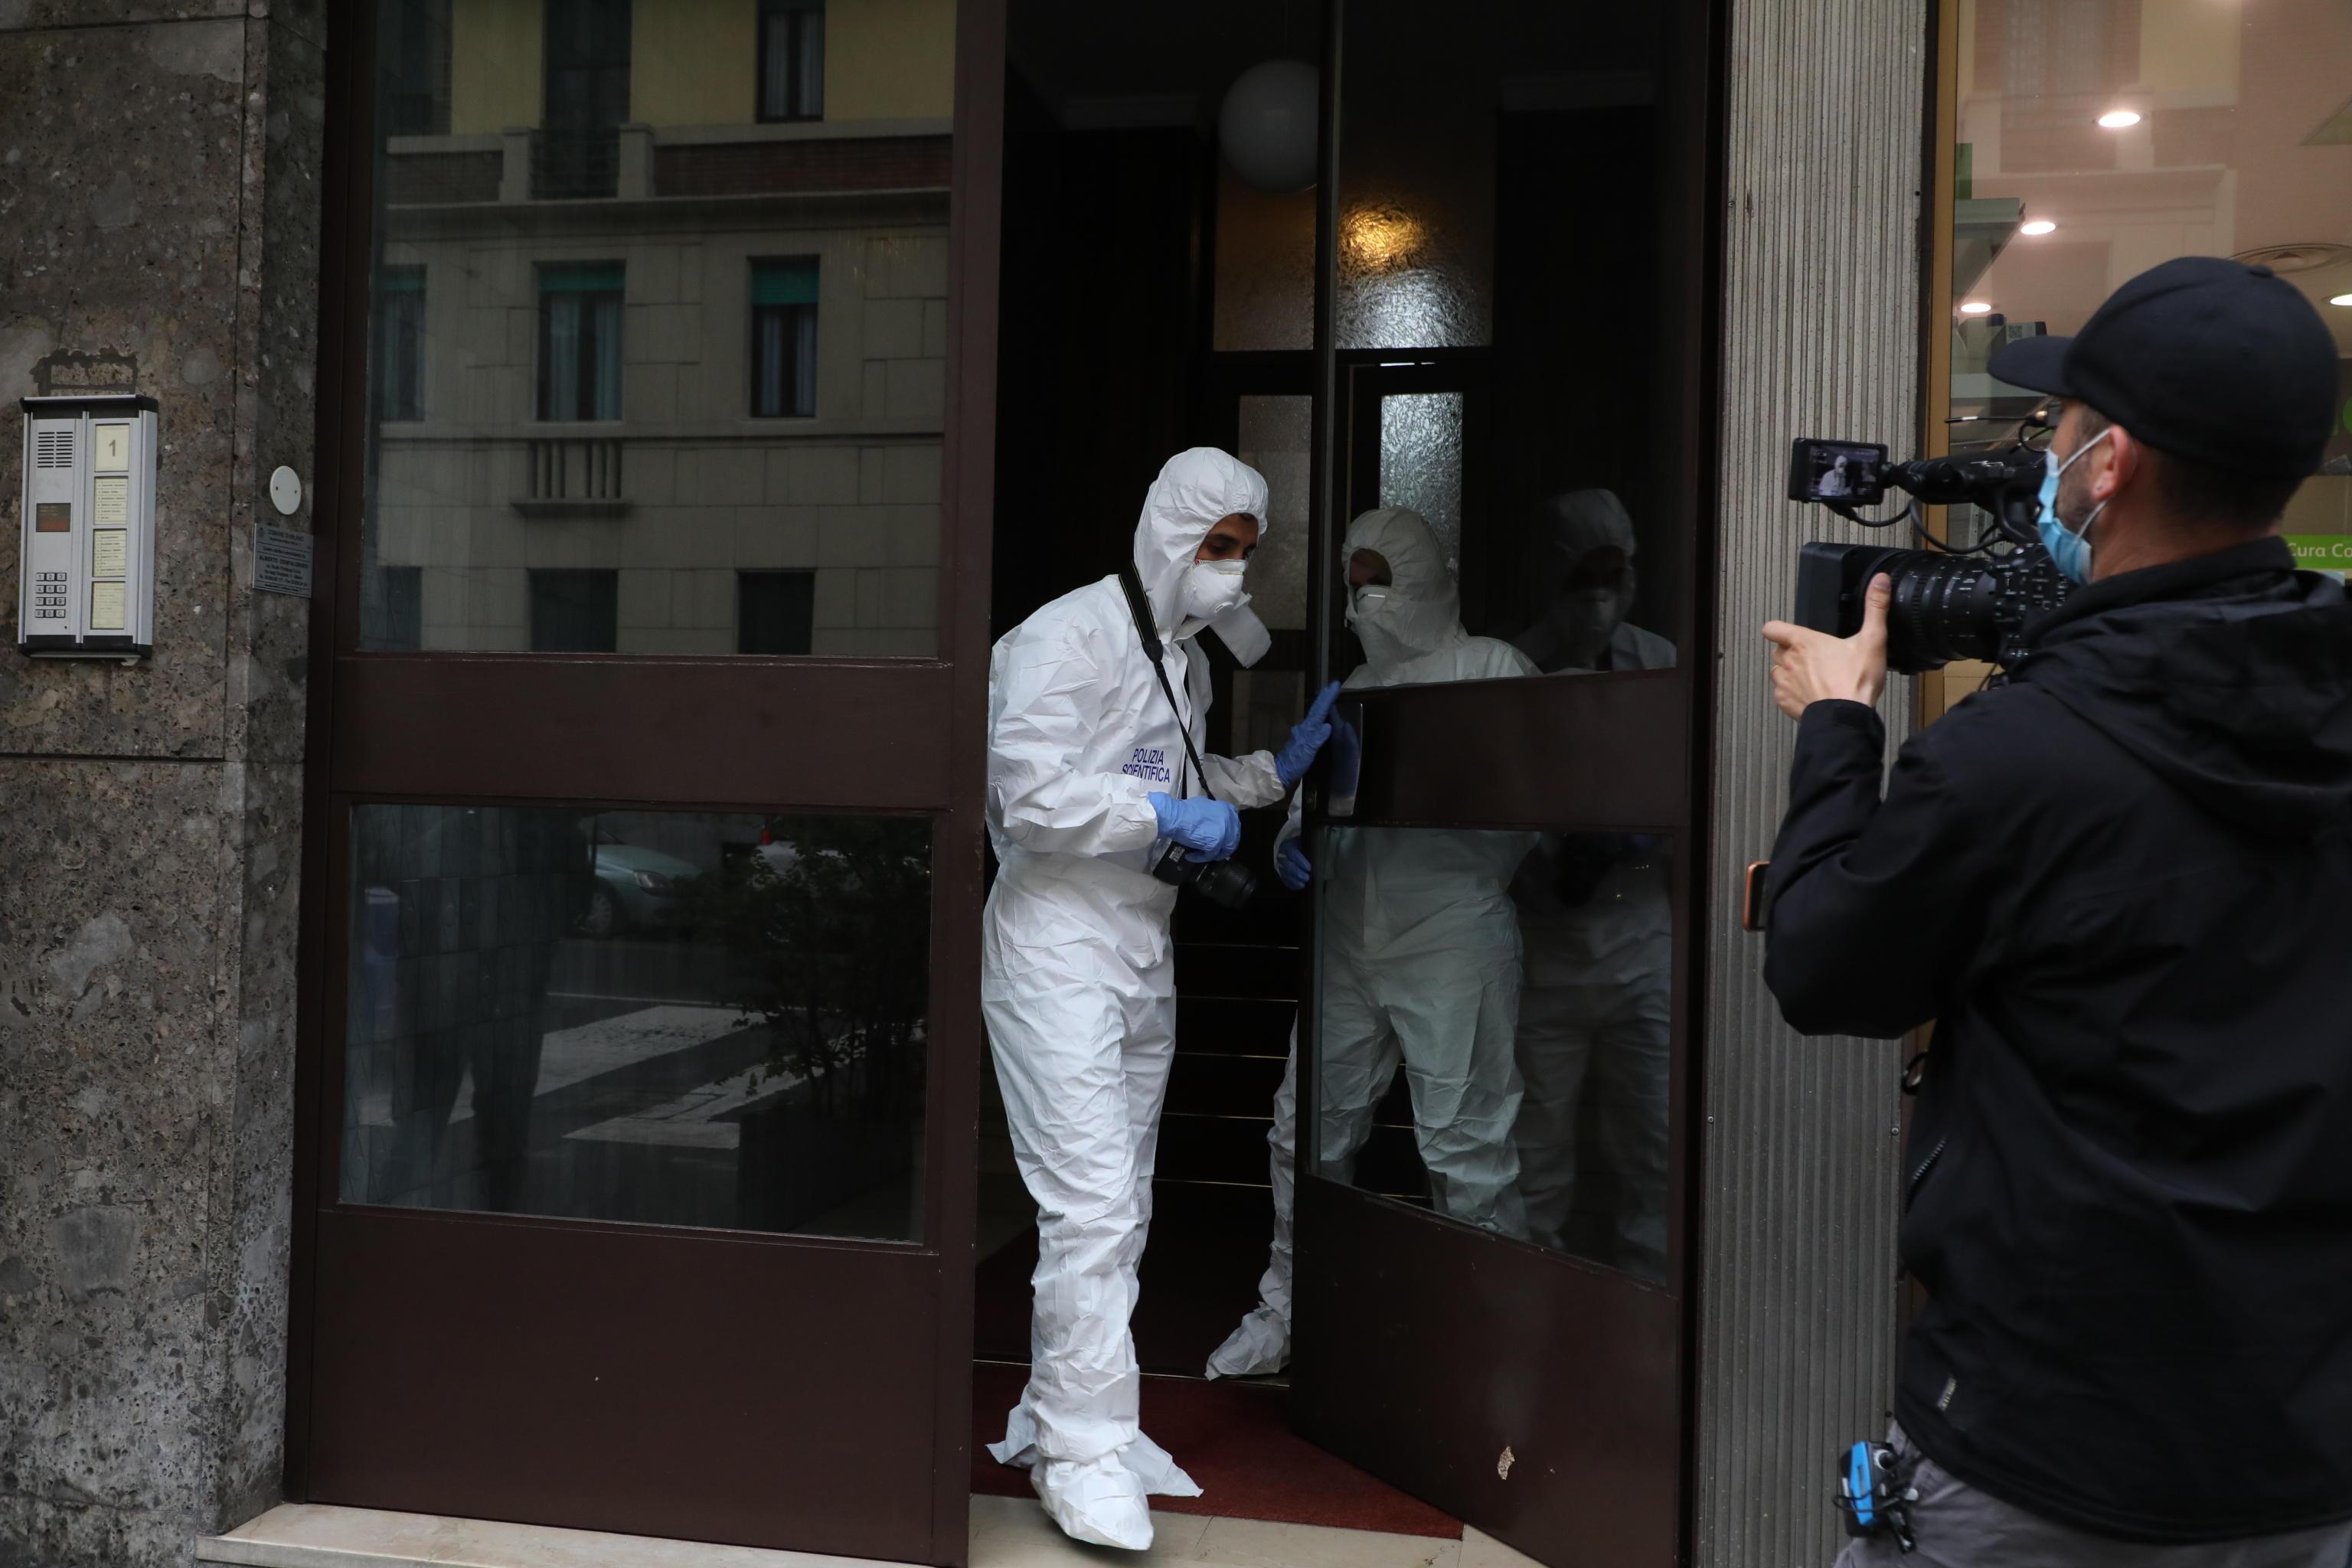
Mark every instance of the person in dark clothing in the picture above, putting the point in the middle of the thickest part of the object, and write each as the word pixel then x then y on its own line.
pixel 2118 884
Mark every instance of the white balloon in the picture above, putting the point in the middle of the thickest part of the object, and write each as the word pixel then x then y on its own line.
pixel 1268 125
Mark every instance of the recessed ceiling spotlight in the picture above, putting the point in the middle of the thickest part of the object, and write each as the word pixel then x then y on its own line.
pixel 2118 119
pixel 2039 225
pixel 1976 308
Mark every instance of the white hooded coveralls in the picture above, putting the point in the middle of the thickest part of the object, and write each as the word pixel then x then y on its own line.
pixel 1596 1014
pixel 1078 979
pixel 1420 956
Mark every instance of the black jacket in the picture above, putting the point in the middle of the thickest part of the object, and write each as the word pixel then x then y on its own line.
pixel 2121 885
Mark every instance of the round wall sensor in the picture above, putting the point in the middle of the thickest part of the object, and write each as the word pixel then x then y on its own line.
pixel 286 492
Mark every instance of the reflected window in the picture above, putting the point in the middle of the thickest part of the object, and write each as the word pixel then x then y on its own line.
pixel 580 341
pixel 792 59
pixel 574 611
pixel 587 69
pixel 631 386
pixel 783 338
pixel 391 608
pixel 400 343
pixel 662 1018
pixel 414 60
pixel 775 612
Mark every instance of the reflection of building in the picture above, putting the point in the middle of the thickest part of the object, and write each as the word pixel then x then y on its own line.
pixel 661 361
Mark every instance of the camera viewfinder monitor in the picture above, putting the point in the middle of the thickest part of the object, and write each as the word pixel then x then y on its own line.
pixel 1848 473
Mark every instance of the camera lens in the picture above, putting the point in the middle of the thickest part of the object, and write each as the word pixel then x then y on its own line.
pixel 1943 610
pixel 1226 882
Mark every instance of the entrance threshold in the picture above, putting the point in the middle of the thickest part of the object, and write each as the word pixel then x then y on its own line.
pixel 1006 1532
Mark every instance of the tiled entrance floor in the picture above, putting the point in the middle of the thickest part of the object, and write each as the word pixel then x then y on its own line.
pixel 1006 1532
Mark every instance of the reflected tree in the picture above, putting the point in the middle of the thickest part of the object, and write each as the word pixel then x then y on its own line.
pixel 827 924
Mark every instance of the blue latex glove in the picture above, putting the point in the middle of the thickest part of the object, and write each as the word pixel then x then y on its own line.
pixel 1211 829
pixel 1291 864
pixel 1306 738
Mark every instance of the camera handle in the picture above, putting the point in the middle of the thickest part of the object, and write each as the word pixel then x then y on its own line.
pixel 1139 608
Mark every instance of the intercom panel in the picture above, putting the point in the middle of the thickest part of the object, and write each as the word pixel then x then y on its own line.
pixel 86 564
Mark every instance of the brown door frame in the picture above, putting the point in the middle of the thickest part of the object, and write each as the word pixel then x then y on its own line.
pixel 815 734
pixel 1470 1337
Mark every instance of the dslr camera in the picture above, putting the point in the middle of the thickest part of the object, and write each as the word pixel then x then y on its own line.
pixel 1226 882
pixel 1972 601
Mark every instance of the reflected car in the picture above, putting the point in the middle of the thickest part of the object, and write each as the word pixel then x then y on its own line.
pixel 636 890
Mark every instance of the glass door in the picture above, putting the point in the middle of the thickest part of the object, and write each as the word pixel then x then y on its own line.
pixel 644 775
pixel 1492 1254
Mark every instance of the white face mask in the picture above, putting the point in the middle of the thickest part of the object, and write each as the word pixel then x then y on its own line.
pixel 1213 587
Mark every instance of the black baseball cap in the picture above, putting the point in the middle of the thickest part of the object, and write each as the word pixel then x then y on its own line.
pixel 2211 360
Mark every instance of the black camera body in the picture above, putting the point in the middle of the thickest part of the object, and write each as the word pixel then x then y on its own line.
pixel 1945 606
pixel 1949 604
pixel 1226 882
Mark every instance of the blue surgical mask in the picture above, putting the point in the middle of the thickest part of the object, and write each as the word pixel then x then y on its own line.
pixel 2070 548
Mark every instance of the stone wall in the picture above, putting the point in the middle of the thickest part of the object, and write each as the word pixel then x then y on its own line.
pixel 159 177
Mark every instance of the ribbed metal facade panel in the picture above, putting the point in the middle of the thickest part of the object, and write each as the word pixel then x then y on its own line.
pixel 1824 175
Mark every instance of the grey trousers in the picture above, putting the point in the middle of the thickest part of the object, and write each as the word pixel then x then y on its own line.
pixel 1960 1527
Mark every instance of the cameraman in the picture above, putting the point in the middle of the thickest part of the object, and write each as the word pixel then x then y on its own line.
pixel 2119 885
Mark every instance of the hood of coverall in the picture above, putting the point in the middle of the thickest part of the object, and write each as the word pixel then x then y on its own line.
pixel 1577 624
pixel 1195 490
pixel 1422 610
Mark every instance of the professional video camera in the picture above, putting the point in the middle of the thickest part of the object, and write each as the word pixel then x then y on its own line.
pixel 1971 601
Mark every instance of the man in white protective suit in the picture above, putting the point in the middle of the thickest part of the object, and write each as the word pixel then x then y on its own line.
pixel 1090 780
pixel 1596 915
pixel 1421 947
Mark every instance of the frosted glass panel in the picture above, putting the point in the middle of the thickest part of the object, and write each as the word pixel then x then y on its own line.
pixel 1421 461
pixel 1266 267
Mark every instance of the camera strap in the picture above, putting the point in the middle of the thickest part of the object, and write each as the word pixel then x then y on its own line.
pixel 1139 608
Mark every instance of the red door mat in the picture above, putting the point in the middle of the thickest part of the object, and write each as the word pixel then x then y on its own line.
pixel 1235 1439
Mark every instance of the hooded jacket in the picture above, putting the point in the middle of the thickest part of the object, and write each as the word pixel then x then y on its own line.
pixel 1393 894
pixel 2120 884
pixel 1569 527
pixel 1081 736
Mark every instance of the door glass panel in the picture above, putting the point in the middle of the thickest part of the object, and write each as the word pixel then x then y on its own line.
pixel 1275 440
pixel 1498 255
pixel 663 304
pixel 680 1018
pixel 1496 1028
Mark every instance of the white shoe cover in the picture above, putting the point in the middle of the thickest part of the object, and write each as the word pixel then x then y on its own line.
pixel 1157 1468
pixel 1101 1502
pixel 1259 1348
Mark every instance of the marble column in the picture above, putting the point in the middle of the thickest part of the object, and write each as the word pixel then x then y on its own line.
pixel 160 166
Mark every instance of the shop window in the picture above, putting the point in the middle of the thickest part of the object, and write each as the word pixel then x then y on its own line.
pixel 775 612
pixel 792 59
pixel 580 341
pixel 2089 141
pixel 400 343
pixel 574 611
pixel 783 339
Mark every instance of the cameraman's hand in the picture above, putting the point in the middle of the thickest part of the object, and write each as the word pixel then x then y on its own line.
pixel 1810 666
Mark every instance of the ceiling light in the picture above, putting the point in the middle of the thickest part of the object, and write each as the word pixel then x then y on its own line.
pixel 2117 118
pixel 1976 308
pixel 2039 225
pixel 2343 299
